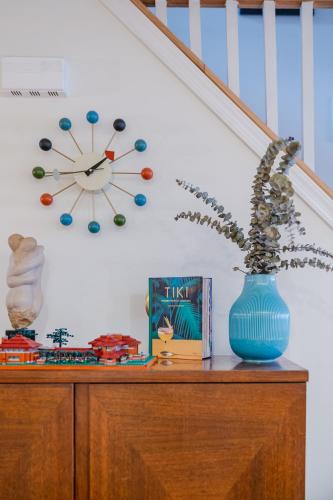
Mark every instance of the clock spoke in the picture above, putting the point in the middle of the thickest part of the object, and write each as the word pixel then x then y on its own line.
pixel 64 189
pixel 63 154
pixel 122 189
pixel 126 173
pixel 146 173
pixel 92 118
pixel 77 201
pixel 109 202
pixel 93 226
pixel 119 125
pixel 139 199
pixel 110 141
pixel 123 155
pixel 119 219
pixel 56 172
pixel 46 199
pixel 66 125
pixel 93 206
pixel 140 145
pixel 46 145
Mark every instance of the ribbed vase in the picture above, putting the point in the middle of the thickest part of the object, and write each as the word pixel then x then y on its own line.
pixel 259 320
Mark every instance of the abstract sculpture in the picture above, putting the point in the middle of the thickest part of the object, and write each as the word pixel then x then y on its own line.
pixel 24 299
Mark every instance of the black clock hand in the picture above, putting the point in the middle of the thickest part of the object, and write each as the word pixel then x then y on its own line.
pixel 93 168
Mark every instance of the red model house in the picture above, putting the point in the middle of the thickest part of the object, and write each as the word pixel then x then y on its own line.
pixel 18 349
pixel 110 348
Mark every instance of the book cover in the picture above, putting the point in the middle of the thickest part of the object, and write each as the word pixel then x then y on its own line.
pixel 177 320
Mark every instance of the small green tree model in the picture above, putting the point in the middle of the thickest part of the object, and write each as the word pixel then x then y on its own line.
pixel 59 336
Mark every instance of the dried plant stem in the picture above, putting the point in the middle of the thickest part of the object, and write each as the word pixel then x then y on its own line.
pixel 272 210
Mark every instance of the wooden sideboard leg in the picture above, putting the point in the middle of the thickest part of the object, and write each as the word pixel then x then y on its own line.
pixel 81 442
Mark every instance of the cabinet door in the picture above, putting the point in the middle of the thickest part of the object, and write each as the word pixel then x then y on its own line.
pixel 36 442
pixel 190 441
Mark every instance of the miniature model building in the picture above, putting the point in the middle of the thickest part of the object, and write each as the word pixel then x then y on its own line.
pixel 106 349
pixel 110 348
pixel 19 349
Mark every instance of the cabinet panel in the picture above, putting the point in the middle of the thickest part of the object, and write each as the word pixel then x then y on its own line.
pixel 181 441
pixel 36 441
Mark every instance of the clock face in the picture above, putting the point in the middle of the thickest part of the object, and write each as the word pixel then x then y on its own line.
pixel 97 180
pixel 94 172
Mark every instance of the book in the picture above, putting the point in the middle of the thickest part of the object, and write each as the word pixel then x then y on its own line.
pixel 180 317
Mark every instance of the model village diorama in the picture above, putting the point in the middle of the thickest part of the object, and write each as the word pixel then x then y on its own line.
pixel 24 302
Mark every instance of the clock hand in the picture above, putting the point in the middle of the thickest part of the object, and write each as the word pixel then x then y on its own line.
pixel 93 168
pixel 109 155
pixel 50 174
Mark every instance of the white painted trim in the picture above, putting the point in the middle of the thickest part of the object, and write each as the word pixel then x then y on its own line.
pixel 230 114
pixel 162 11
pixel 308 83
pixel 232 45
pixel 194 16
pixel 271 65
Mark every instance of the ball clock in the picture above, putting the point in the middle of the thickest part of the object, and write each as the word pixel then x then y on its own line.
pixel 94 173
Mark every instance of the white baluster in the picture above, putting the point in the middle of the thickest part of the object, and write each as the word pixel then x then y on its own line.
pixel 308 83
pixel 195 26
pixel 270 65
pixel 232 45
pixel 162 11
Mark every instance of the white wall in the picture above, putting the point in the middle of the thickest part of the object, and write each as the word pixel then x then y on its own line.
pixel 97 284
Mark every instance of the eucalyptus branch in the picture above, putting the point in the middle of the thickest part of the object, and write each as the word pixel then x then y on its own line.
pixel 235 230
pixel 229 230
pixel 308 248
pixel 272 211
pixel 301 263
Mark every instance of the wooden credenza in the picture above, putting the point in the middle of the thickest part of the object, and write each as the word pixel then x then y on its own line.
pixel 217 429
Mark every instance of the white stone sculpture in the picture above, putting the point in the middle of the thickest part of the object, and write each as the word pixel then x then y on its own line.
pixel 24 299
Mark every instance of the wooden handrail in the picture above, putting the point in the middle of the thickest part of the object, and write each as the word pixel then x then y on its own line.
pixel 226 90
pixel 246 4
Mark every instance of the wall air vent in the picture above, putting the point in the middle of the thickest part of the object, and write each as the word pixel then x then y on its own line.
pixel 33 77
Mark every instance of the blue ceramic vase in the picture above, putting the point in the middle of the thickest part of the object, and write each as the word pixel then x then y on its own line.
pixel 259 320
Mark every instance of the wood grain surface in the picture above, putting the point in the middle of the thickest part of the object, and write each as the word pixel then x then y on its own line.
pixel 222 369
pixel 192 441
pixel 36 442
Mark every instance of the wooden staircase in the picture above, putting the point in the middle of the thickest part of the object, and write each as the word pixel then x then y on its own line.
pixel 142 5
pixel 309 186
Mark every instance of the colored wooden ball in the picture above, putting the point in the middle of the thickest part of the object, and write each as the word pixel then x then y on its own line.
pixel 92 117
pixel 119 125
pixel 46 199
pixel 140 145
pixel 119 220
pixel 45 144
pixel 66 219
pixel 140 200
pixel 38 172
pixel 147 173
pixel 65 124
pixel 94 227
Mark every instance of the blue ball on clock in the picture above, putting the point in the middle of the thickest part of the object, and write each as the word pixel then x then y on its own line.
pixel 65 124
pixel 66 219
pixel 140 200
pixel 92 117
pixel 140 145
pixel 94 227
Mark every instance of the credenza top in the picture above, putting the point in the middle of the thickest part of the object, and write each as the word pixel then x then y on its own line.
pixel 218 369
